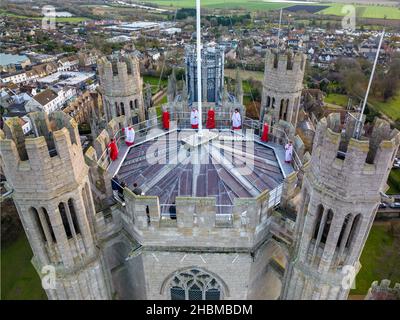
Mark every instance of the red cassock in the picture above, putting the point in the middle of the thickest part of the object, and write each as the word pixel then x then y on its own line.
pixel 113 150
pixel 264 136
pixel 165 119
pixel 210 119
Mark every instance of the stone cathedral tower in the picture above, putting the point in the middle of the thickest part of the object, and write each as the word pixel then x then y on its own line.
pixel 121 87
pixel 282 86
pixel 339 199
pixel 51 190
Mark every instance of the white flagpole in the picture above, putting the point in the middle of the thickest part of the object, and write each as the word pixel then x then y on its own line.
pixel 199 90
pixel 279 28
pixel 359 124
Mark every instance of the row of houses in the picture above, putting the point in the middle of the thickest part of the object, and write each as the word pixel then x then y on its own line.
pixel 64 64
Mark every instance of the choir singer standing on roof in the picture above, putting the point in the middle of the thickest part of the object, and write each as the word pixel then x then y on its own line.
pixel 129 136
pixel 236 120
pixel 194 118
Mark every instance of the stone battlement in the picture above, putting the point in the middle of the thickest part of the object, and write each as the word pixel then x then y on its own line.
pixel 50 159
pixel 198 221
pixel 383 291
pixel 119 75
pixel 337 155
pixel 288 60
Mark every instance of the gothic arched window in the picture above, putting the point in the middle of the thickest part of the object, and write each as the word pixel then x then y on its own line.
pixel 36 218
pixel 320 212
pixel 194 284
pixel 353 230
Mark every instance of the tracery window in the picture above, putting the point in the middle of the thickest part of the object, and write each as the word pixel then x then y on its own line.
pixel 194 284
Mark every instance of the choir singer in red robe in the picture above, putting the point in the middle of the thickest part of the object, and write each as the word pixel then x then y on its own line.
pixel 112 146
pixel 165 119
pixel 210 119
pixel 264 136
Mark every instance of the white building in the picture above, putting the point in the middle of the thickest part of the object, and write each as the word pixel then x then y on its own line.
pixel 15 78
pixel 50 100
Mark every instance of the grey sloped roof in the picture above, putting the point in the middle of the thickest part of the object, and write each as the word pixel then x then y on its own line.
pixel 211 179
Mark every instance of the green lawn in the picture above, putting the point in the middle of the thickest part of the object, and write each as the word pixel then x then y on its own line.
pixel 221 4
pixel 153 81
pixel 338 99
pixel 245 74
pixel 162 101
pixel 365 11
pixel 60 19
pixel 376 263
pixel 391 107
pixel 19 280
pixel 394 182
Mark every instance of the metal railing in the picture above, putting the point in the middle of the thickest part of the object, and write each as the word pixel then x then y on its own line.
pixel 141 132
pixel 281 140
pixel 223 213
pixel 275 196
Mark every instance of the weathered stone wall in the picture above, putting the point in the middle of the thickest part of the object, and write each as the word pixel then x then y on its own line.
pixel 340 196
pixel 47 172
pixel 282 86
pixel 121 87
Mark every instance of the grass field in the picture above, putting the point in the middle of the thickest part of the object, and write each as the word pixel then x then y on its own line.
pixel 338 99
pixel 366 11
pixel 153 81
pixel 19 280
pixel 362 11
pixel 60 20
pixel 391 107
pixel 376 264
pixel 245 74
pixel 221 4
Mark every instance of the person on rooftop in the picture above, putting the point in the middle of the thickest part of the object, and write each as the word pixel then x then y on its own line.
pixel 236 120
pixel 129 136
pixel 112 147
pixel 210 119
pixel 136 190
pixel 194 118
pixel 288 152
pixel 165 118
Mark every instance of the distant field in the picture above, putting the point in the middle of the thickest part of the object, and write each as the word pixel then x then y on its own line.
pixel 308 8
pixel 362 11
pixel 61 19
pixel 232 4
pixel 366 11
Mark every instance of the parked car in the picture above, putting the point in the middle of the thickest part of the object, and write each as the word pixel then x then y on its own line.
pixel 382 205
pixel 395 205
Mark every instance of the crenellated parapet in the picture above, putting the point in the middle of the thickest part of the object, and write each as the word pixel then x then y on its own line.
pixel 197 221
pixel 339 199
pixel 50 159
pixel 52 193
pixel 282 67
pixel 383 291
pixel 121 87
pixel 119 75
pixel 338 157
pixel 282 86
